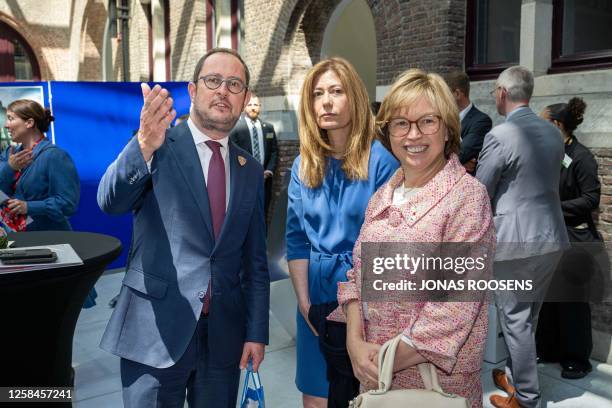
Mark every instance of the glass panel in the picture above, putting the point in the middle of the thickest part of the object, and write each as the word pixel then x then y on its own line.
pixel 586 26
pixel 23 67
pixel 498 31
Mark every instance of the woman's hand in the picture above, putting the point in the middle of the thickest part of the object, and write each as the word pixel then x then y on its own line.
pixel 21 160
pixel 17 207
pixel 304 309
pixel 364 359
pixel 406 356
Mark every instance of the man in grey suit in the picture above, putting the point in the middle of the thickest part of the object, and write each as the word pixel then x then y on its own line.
pixel 194 303
pixel 520 166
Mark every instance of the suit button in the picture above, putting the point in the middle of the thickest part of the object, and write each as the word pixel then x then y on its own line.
pixel 201 294
pixel 212 259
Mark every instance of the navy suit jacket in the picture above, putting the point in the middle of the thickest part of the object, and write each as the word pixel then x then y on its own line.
pixel 474 126
pixel 174 253
pixel 241 135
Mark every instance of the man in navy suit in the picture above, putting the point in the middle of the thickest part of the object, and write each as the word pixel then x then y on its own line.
pixel 193 306
pixel 475 124
pixel 259 139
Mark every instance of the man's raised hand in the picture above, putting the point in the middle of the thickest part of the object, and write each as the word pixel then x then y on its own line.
pixel 156 116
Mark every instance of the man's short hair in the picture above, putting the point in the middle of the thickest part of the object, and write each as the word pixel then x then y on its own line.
pixel 458 80
pixel 518 83
pixel 200 64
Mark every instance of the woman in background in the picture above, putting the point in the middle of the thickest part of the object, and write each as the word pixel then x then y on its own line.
pixel 339 167
pixel 564 328
pixel 39 177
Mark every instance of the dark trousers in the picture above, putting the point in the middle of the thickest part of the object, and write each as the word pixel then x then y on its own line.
pixel 267 194
pixel 343 386
pixel 191 377
pixel 564 333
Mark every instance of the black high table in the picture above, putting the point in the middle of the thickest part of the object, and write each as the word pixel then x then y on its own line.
pixel 39 309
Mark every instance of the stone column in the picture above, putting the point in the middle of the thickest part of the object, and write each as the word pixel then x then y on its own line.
pixel 536 35
pixel 159 40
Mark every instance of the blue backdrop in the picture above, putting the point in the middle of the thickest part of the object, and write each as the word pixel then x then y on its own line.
pixel 93 122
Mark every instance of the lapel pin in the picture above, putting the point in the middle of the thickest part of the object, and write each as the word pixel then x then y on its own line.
pixel 242 160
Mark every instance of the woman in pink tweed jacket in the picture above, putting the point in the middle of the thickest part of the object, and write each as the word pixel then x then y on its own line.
pixel 430 198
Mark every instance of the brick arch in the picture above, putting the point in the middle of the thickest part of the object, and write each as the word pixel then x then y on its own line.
pixel 31 40
pixel 306 27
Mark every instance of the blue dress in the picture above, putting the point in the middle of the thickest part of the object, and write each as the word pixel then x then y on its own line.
pixel 322 226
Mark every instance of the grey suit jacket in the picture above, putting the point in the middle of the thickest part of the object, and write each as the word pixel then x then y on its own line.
pixel 520 165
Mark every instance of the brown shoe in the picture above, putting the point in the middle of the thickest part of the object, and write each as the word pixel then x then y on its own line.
pixel 501 381
pixel 499 401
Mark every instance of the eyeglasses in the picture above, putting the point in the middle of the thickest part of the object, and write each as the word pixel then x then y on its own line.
pixel 427 125
pixel 495 90
pixel 234 85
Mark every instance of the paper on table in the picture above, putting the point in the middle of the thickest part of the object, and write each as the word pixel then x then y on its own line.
pixel 66 256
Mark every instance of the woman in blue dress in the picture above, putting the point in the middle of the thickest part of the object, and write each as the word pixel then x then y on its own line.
pixel 39 177
pixel 339 167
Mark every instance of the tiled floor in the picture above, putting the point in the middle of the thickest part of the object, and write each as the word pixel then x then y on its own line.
pixel 98 385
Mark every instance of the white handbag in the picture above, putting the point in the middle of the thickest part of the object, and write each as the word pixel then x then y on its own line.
pixel 431 397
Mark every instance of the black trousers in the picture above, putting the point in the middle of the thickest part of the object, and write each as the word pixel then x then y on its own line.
pixel 564 333
pixel 343 386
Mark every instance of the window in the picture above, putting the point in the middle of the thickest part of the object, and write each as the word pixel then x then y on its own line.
pixel 492 36
pixel 581 35
pixel 23 66
pixel 17 61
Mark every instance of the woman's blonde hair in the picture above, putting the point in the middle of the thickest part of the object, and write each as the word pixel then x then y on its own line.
pixel 407 89
pixel 314 143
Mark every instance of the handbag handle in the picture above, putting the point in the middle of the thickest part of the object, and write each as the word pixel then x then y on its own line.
pixel 256 382
pixel 386 358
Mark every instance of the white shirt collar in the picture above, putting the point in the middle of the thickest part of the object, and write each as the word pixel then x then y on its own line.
pixel 199 137
pixel 465 111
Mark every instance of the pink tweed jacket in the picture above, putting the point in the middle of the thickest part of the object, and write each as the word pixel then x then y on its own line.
pixel 452 207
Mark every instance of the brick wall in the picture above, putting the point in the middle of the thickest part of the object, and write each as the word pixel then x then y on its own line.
pixel 418 33
pixel 92 40
pixel 187 36
pixel 287 152
pixel 602 313
pixel 604 222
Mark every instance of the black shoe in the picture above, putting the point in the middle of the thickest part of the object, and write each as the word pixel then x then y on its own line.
pixel 113 302
pixel 575 371
pixel 543 359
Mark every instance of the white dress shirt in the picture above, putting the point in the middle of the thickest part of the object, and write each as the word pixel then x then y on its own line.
pixel 205 154
pixel 465 111
pixel 257 124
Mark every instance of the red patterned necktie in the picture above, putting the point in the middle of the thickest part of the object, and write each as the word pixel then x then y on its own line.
pixel 216 200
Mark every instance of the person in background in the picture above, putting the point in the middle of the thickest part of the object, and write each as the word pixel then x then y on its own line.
pixel 39 177
pixel 474 123
pixel 339 167
pixel 259 139
pixel 429 199
pixel 564 329
pixel 519 165
pixel 181 118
